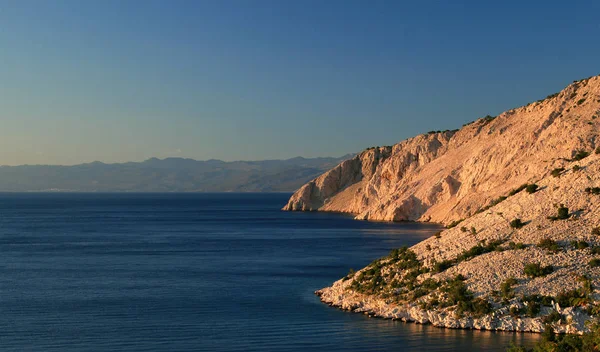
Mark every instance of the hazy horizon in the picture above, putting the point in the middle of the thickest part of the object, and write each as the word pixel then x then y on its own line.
pixel 184 158
pixel 119 81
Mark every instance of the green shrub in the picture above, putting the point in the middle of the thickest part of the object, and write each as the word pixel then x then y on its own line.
pixel 479 250
pixel 539 299
pixel 516 224
pixel 594 262
pixel 595 250
pixel 438 267
pixel 517 190
pixel 457 291
pixel 463 229
pixel 532 188
pixel 598 150
pixel 556 172
pixel 533 308
pixel 592 190
pixel 506 287
pixel 580 154
pixel 563 213
pixel 350 275
pixel 430 284
pixel 492 203
pixel 579 244
pixel 553 317
pixel 572 298
pixel 580 101
pixel 418 292
pixel 438 234
pixel 478 307
pixel 576 168
pixel 534 270
pixel 549 244
pixel 454 223
pixel 404 258
pixel 518 245
pixel 515 312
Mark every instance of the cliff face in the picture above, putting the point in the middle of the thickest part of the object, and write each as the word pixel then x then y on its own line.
pixel 526 255
pixel 490 252
pixel 450 175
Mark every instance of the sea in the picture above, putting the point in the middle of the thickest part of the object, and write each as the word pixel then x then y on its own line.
pixel 196 272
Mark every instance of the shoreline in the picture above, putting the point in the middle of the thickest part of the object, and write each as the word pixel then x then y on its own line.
pixel 340 297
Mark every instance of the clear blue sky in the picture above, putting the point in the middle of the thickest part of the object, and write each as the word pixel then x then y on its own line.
pixel 251 79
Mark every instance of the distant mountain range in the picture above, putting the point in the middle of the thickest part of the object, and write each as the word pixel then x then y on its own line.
pixel 168 175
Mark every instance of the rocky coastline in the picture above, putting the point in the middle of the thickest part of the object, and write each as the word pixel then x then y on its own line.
pixel 520 197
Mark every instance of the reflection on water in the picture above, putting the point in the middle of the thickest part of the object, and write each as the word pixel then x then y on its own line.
pixel 429 338
pixel 195 272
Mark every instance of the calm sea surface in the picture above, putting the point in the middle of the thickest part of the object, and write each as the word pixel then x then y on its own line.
pixel 195 272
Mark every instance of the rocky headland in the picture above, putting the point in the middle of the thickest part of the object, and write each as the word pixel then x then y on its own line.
pixel 519 194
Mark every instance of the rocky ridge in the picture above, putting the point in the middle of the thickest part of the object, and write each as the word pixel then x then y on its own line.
pixel 574 244
pixel 449 175
pixel 521 196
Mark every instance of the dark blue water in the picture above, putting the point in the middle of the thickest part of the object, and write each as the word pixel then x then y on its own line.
pixel 194 272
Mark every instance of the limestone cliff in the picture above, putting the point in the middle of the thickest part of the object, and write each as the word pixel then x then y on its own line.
pixel 450 175
pixel 490 253
pixel 525 254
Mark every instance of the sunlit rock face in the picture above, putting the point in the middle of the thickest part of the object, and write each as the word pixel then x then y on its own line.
pixel 478 175
pixel 449 175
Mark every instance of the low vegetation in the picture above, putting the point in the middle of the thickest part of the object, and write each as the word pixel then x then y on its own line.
pixel 531 188
pixel 454 223
pixel 517 224
pixel 556 172
pixel 579 244
pixel 551 341
pixel 506 288
pixel 534 270
pixel 594 263
pixel 580 154
pixel 479 250
pixel 518 245
pixel 562 213
pixel 549 245
pixel 593 190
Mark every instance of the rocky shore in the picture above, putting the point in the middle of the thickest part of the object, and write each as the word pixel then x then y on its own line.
pixel 520 195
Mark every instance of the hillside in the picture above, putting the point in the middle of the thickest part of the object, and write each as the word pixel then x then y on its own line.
pixel 520 195
pixel 167 175
pixel 450 175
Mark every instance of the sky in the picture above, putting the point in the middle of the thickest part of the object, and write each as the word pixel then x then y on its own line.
pixel 118 81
